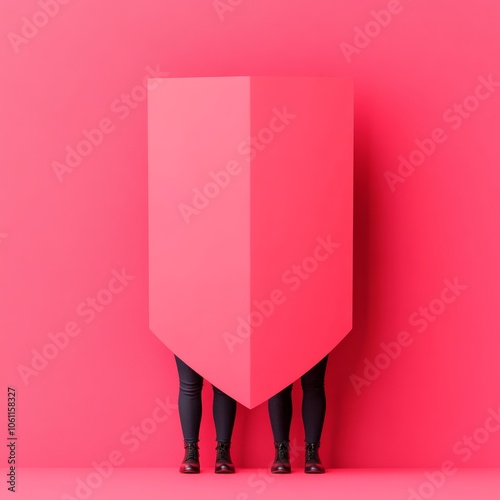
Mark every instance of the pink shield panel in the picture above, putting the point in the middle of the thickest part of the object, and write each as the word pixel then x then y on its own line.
pixel 250 225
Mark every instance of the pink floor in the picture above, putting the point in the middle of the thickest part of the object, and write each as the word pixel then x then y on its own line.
pixel 246 484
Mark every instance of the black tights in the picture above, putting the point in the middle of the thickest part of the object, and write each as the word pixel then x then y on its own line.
pixel 313 406
pixel 224 407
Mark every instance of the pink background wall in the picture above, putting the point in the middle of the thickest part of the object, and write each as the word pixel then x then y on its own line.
pixel 61 238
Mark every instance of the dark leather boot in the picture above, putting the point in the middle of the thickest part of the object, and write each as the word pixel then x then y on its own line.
pixel 223 462
pixel 313 464
pixel 281 464
pixel 191 462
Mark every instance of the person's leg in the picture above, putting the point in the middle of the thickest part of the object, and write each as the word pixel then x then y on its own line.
pixel 224 410
pixel 314 401
pixel 313 412
pixel 190 387
pixel 280 414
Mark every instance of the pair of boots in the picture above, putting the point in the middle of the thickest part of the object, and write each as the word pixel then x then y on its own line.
pixel 281 464
pixel 191 462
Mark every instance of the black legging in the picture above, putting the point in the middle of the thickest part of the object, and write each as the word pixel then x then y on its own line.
pixel 224 407
pixel 313 406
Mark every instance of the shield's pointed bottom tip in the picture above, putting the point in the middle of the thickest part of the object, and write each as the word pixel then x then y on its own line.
pixel 251 402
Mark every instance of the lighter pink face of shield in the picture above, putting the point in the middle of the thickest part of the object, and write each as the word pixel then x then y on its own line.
pixel 250 226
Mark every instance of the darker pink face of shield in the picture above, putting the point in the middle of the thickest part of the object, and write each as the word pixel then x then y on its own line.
pixel 250 226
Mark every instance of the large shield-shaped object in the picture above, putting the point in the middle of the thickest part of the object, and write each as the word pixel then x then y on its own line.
pixel 250 225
